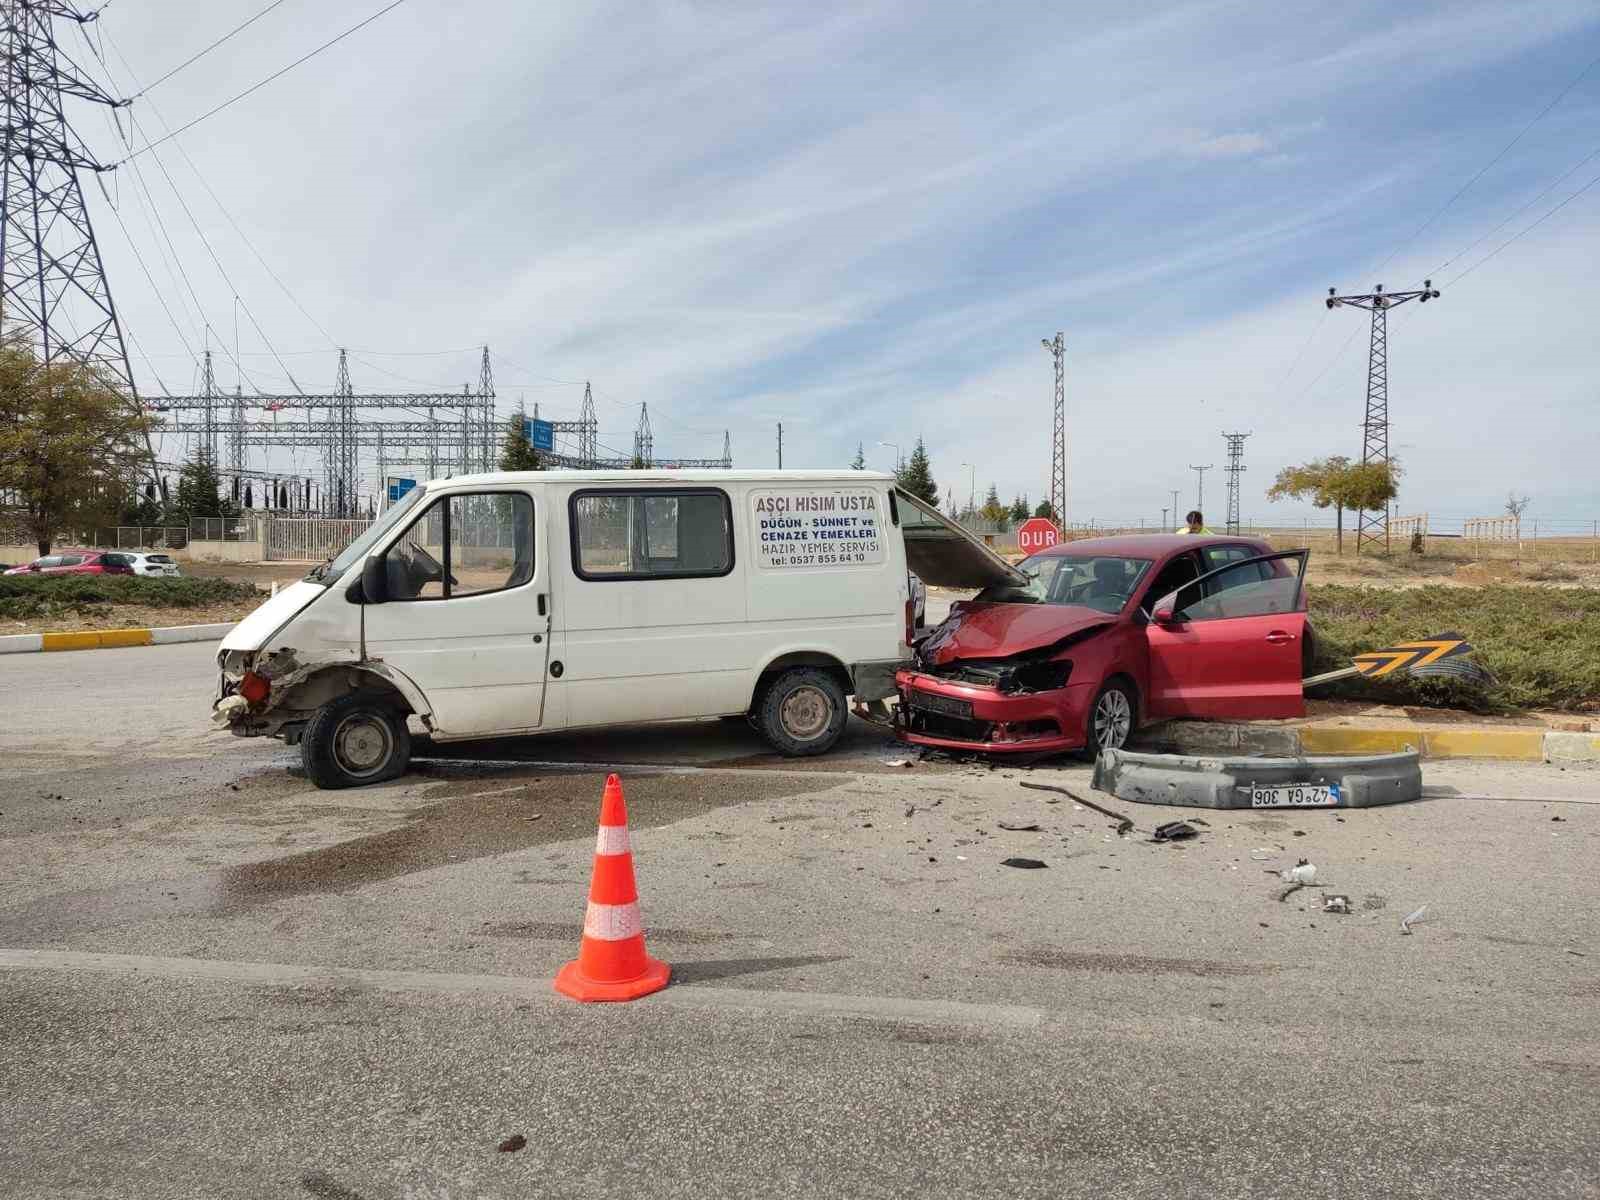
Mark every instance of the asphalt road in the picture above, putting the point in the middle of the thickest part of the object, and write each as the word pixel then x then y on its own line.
pixel 216 980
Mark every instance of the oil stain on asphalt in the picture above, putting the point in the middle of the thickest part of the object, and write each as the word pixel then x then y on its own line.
pixel 455 827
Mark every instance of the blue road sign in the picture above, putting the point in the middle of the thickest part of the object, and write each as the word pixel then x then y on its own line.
pixel 541 434
pixel 399 487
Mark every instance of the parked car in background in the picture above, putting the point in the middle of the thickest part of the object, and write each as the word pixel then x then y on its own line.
pixel 78 562
pixel 1108 633
pixel 152 562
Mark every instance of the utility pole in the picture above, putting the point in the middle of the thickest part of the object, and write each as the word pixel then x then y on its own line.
pixel 1058 434
pixel 1375 428
pixel 1200 485
pixel 780 445
pixel 1163 520
pixel 1235 466
pixel 1174 506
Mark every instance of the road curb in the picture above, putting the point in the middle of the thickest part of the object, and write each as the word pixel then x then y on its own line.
pixel 101 639
pixel 1288 741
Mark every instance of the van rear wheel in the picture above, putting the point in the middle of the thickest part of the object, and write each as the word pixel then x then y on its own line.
pixel 802 712
pixel 354 740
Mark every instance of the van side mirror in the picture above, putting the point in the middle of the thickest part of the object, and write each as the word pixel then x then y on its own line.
pixel 375 579
pixel 1165 610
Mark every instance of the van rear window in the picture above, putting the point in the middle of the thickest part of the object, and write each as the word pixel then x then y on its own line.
pixel 654 533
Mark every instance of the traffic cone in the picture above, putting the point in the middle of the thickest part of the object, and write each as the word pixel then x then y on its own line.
pixel 612 963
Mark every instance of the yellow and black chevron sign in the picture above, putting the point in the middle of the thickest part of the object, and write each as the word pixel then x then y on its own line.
pixel 1410 656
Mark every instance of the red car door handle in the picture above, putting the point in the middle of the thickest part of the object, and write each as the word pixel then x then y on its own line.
pixel 1278 637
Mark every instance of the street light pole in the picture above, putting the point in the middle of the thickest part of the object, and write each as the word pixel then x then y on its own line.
pixel 899 462
pixel 972 487
pixel 1174 505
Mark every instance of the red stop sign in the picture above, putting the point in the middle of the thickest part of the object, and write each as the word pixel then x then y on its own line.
pixel 1036 534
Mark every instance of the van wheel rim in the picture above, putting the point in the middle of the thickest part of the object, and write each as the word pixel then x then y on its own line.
pixel 362 745
pixel 805 713
pixel 1113 718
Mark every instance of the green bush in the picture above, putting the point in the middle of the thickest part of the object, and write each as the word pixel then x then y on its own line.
pixel 24 596
pixel 1542 644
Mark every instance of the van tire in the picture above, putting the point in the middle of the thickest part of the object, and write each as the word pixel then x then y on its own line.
pixel 802 712
pixel 355 740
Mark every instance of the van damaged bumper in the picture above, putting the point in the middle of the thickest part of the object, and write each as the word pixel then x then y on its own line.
pixel 955 714
pixel 271 693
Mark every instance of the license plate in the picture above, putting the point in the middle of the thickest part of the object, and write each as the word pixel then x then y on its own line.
pixel 945 705
pixel 1296 795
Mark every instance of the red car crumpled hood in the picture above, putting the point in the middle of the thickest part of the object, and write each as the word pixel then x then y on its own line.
pixel 981 630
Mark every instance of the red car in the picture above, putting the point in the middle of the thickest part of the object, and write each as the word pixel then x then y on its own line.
pixel 1095 637
pixel 78 562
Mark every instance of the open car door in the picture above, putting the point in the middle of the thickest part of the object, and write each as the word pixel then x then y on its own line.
pixel 1228 645
pixel 941 553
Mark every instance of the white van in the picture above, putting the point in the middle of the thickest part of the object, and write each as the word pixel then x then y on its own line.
pixel 520 603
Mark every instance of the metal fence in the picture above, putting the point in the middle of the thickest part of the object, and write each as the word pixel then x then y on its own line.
pixel 308 539
pixel 140 537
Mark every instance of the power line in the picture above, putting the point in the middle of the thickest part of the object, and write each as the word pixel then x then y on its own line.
pixel 1482 171
pixel 263 83
pixel 1529 229
pixel 196 58
pixel 1568 173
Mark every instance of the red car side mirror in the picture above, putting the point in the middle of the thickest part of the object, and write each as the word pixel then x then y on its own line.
pixel 1165 609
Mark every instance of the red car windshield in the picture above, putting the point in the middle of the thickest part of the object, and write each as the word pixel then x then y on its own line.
pixel 1100 581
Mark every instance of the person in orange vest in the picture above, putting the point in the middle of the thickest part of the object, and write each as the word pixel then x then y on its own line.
pixel 1196 523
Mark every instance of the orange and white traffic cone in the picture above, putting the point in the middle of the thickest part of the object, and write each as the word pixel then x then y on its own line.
pixel 612 963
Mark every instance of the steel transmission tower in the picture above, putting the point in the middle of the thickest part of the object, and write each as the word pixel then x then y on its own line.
pixel 589 431
pixel 1234 468
pixel 1058 435
pixel 1200 486
pixel 644 441
pixel 54 284
pixel 1374 526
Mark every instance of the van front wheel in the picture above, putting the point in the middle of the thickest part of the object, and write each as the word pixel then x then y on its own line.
pixel 802 712
pixel 353 740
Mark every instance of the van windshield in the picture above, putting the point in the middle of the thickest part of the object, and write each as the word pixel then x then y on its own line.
pixel 357 550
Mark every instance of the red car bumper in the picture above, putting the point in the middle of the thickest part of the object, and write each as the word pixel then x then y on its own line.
pixel 963 716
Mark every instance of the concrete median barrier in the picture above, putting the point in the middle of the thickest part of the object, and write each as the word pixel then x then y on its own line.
pixel 1203 781
pixel 100 639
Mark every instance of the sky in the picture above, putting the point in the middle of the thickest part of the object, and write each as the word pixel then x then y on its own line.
pixel 860 220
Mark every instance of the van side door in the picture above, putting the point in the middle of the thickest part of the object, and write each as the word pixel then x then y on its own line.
pixel 652 612
pixel 466 614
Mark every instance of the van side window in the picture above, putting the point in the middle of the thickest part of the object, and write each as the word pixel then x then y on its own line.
pixel 464 545
pixel 652 534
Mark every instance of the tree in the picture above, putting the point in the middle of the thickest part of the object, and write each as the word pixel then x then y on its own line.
pixel 916 476
pixel 71 444
pixel 1019 509
pixel 1045 510
pixel 859 462
pixel 1337 483
pixel 200 491
pixel 1517 505
pixel 516 451
pixel 993 509
pixel 1318 482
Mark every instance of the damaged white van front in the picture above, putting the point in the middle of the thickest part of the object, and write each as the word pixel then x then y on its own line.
pixel 506 604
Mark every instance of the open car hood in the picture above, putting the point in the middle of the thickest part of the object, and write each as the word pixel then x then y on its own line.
pixel 941 553
pixel 976 629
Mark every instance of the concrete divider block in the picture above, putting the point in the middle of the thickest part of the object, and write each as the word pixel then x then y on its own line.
pixel 1572 749
pixel 190 633
pixel 1339 739
pixel 21 643
pixel 1526 745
